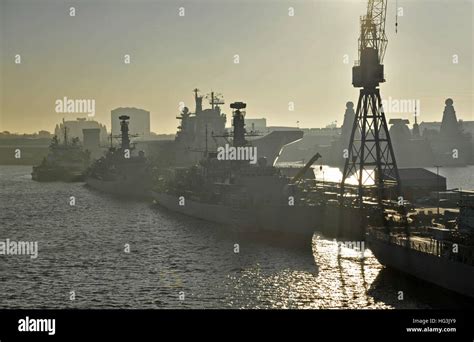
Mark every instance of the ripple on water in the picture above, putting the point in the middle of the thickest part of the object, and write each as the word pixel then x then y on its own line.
pixel 82 249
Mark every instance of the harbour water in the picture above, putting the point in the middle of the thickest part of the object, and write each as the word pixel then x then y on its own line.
pixel 103 252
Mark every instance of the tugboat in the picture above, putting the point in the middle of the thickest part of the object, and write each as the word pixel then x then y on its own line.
pixel 65 162
pixel 243 194
pixel 119 172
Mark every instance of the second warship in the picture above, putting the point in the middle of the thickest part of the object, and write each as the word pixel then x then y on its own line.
pixel 245 197
pixel 119 172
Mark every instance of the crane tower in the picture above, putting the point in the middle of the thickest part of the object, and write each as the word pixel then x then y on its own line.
pixel 370 153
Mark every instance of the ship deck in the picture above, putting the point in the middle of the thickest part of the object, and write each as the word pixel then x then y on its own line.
pixel 420 242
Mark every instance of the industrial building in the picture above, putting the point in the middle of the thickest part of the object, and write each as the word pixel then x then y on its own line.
pixel 418 183
pixel 75 128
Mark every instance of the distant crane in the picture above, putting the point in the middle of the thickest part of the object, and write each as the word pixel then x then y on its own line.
pixel 370 153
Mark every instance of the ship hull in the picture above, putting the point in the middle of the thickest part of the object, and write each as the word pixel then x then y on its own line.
pixel 285 221
pixel 130 188
pixel 454 276
pixel 56 176
pixel 278 221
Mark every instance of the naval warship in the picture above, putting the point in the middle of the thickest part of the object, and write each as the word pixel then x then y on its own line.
pixel 120 172
pixel 241 195
pixel 206 128
pixel 65 162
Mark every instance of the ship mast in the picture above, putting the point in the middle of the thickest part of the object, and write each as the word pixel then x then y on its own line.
pixel 215 99
pixel 416 127
pixel 198 100
pixel 65 133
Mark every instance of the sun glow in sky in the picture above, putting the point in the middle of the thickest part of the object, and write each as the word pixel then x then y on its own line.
pixel 305 59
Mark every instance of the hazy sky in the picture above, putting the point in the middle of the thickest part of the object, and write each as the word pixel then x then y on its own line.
pixel 283 59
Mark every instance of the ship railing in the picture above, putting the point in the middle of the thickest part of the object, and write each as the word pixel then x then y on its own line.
pixel 442 249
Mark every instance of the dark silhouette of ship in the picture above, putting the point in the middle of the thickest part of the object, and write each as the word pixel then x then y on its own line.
pixel 245 197
pixel 65 162
pixel 437 252
pixel 120 172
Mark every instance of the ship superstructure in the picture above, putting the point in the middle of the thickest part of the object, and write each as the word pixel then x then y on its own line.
pixel 196 129
pixel 206 129
pixel 245 196
pixel 120 171
pixel 66 161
